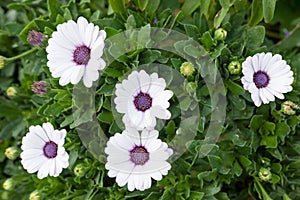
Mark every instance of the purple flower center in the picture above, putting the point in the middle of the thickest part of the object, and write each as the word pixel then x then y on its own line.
pixel 82 55
pixel 261 79
pixel 142 101
pixel 50 149
pixel 139 155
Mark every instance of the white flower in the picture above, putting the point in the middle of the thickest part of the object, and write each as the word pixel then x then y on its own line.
pixel 43 151
pixel 266 77
pixel 135 158
pixel 75 51
pixel 142 98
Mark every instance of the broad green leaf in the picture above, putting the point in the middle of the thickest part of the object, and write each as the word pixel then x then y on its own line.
pixel 190 6
pixel 268 9
pixel 220 17
pixel 106 117
pixel 269 141
pixel 256 12
pixel 234 88
pixel 267 128
pixel 237 169
pixel 255 37
pixel 53 8
pixel 204 7
pixel 152 6
pixel 196 195
pixel 118 6
pixel 207 40
pixel 244 161
pixel 282 130
pixel 215 161
pixel 225 3
pixel 256 122
pixel 142 4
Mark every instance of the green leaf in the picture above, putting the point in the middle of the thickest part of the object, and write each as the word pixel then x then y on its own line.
pixel 237 102
pixel 220 17
pixel 215 161
pixel 267 128
pixel 225 3
pixel 237 169
pixel 269 141
pixel 196 195
pixel 207 40
pixel 234 88
pixel 282 130
pixel 204 7
pixel 118 6
pixel 256 12
pixel 152 6
pixel 142 4
pixel 106 117
pixel 53 8
pixel 268 9
pixel 255 37
pixel 256 122
pixel 190 6
pixel 244 161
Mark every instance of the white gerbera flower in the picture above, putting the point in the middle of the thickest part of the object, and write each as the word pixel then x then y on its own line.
pixel 266 76
pixel 142 98
pixel 75 51
pixel 43 151
pixel 135 158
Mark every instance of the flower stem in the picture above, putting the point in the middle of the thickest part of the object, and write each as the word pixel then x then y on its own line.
pixel 26 53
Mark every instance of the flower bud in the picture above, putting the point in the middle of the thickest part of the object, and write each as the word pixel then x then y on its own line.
pixel 35 195
pixel 187 69
pixel 39 87
pixel 289 107
pixel 11 153
pixel 220 34
pixel 234 67
pixel 35 38
pixel 81 169
pixel 2 62
pixel 265 174
pixel 11 91
pixel 8 184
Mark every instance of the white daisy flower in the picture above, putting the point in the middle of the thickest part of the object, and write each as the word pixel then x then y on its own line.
pixel 75 51
pixel 43 151
pixel 142 98
pixel 134 158
pixel 266 77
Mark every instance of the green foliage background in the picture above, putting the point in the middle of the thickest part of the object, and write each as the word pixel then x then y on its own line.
pixel 252 138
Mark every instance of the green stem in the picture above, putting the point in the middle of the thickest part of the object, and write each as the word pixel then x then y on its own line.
pixel 26 53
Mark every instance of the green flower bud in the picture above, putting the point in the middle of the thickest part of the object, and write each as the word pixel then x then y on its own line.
pixel 289 107
pixel 187 69
pixel 265 174
pixel 234 67
pixel 35 195
pixel 81 169
pixel 11 153
pixel 11 91
pixel 220 34
pixel 2 62
pixel 8 184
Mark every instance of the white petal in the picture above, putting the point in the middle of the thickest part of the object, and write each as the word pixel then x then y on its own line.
pixel 160 112
pixel 256 99
pixel 122 179
pixel 44 170
pixel 77 74
pixel 39 131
